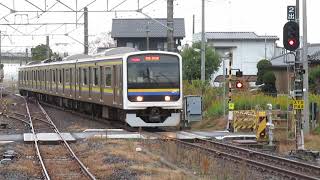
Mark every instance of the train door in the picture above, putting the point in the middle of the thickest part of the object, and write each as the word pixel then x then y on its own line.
pixel 101 82
pixel 56 81
pixel 45 79
pixel 114 83
pixel 50 80
pixel 120 85
pixel 80 81
pixel 63 81
pixel 71 82
pixel 90 82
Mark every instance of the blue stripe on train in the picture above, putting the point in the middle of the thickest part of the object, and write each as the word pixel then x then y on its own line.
pixel 153 93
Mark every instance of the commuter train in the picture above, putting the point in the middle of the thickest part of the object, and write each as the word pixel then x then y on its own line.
pixel 141 88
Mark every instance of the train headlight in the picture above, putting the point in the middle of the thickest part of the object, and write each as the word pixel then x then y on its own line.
pixel 139 98
pixel 167 98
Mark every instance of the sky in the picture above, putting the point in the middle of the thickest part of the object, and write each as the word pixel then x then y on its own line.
pixel 264 17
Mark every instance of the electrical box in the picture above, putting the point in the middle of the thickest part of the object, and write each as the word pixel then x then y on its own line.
pixel 192 108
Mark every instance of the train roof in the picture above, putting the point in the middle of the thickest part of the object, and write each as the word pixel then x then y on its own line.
pixel 99 57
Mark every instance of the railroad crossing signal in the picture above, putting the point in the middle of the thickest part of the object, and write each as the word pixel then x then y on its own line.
pixel 291 36
pixel 298 104
pixel 231 106
pixel 239 84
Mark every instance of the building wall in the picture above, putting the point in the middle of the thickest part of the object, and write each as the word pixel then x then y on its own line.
pixel 141 43
pixel 283 80
pixel 246 53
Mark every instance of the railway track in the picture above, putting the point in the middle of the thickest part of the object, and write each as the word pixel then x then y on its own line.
pixel 296 168
pixel 57 161
pixel 266 165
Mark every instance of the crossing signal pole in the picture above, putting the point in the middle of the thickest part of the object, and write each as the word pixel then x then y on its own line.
pixel 291 42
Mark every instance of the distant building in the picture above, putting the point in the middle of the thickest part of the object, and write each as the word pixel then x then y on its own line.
pixel 282 66
pixel 248 49
pixel 135 32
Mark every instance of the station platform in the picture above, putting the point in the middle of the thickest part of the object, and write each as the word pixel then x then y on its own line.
pixel 123 134
pixel 48 137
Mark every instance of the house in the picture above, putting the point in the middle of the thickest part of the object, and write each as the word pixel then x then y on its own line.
pixel 248 49
pixel 282 67
pixel 137 33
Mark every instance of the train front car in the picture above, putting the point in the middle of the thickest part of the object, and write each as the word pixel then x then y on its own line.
pixel 152 89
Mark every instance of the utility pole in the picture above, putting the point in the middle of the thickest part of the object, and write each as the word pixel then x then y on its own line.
pixel 193 22
pixel 48 48
pixel 203 51
pixel 298 89
pixel 0 49
pixel 86 44
pixel 170 25
pixel 306 127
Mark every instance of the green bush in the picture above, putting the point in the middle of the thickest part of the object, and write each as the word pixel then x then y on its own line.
pixel 213 99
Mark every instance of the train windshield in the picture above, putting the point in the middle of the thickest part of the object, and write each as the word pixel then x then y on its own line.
pixel 153 71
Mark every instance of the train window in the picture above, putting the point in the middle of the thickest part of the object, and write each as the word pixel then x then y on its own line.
pixel 67 75
pixel 79 76
pixel 60 76
pixel 90 75
pixel 85 80
pixel 54 76
pixel 96 76
pixel 70 75
pixel 108 76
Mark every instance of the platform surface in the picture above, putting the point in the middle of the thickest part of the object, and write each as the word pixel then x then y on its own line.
pixel 48 137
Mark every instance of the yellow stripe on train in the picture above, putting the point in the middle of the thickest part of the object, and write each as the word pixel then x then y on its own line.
pixel 153 90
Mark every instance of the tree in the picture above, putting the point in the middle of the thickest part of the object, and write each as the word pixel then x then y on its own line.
pixel 191 57
pixel 39 53
pixel 314 80
pixel 263 67
pixel 269 80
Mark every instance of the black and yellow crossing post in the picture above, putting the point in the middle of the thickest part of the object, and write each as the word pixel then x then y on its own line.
pixel 261 129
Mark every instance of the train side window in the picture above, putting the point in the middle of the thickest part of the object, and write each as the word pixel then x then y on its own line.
pixel 108 73
pixel 79 76
pixel 96 76
pixel 85 78
pixel 60 76
pixel 54 75
pixel 90 75
pixel 67 75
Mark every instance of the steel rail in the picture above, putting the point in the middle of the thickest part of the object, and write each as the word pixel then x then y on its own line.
pixel 88 173
pixel 271 159
pixel 267 167
pixel 35 138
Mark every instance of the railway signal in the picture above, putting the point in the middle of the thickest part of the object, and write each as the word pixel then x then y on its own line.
pixel 239 84
pixel 291 36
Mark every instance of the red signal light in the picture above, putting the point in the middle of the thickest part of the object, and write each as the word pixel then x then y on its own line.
pixel 291 42
pixel 239 84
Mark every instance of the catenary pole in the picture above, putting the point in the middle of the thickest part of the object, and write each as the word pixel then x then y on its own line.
pixel 203 51
pixel 306 127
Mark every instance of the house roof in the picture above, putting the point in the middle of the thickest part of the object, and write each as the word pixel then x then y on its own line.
pixel 233 36
pixel 247 78
pixel 283 60
pixel 138 28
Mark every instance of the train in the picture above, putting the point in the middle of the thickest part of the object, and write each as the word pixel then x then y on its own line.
pixel 139 88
